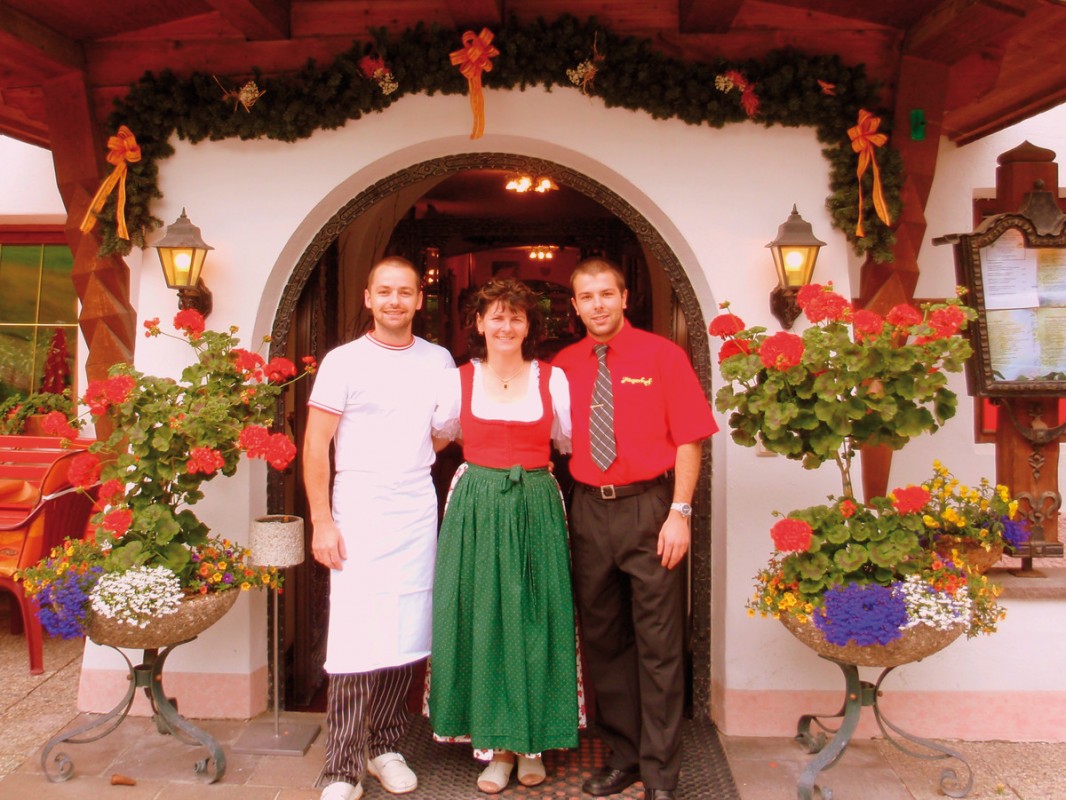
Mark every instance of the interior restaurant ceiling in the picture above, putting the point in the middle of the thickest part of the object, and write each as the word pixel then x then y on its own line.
pixel 1004 57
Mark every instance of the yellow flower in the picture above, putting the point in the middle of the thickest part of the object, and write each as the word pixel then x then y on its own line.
pixel 216 578
pixel 929 521
pixel 245 586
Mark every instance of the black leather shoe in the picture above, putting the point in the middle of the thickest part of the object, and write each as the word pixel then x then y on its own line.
pixel 658 794
pixel 610 781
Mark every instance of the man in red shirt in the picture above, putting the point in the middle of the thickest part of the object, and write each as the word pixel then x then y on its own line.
pixel 635 472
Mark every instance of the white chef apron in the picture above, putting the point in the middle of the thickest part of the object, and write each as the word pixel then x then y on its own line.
pixel 380 602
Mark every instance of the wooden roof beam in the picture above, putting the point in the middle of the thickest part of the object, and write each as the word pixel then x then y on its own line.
pixel 475 13
pixel 17 125
pixel 707 16
pixel 258 20
pixel 954 28
pixel 25 40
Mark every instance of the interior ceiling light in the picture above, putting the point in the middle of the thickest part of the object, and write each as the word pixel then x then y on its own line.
pixel 544 184
pixel 542 252
pixel 525 183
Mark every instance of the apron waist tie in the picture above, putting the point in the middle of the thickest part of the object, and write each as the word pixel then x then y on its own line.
pixel 515 479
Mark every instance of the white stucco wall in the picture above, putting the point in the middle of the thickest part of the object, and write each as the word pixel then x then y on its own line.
pixel 717 197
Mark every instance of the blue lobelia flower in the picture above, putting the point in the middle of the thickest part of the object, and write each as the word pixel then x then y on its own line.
pixel 870 614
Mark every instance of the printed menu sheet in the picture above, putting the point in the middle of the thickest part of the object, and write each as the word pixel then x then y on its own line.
pixel 1025 304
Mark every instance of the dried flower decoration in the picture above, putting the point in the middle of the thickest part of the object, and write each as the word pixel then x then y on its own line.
pixel 584 74
pixel 247 96
pixel 731 80
pixel 375 69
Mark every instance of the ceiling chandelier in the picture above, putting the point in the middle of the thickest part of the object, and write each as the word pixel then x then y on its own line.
pixel 542 252
pixel 525 183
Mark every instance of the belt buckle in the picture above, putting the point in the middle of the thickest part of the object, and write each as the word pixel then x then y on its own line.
pixel 607 492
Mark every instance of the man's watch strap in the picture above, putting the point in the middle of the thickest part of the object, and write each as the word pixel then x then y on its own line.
pixel 684 509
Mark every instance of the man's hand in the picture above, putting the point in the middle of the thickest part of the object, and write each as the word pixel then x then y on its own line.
pixel 674 538
pixel 327 544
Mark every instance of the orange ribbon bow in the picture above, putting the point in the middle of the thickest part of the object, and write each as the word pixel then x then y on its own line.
pixel 472 60
pixel 864 138
pixel 122 149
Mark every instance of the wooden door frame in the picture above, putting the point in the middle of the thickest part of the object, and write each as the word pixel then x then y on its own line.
pixel 698 346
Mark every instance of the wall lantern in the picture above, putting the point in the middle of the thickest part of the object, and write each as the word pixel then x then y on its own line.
pixel 795 250
pixel 181 252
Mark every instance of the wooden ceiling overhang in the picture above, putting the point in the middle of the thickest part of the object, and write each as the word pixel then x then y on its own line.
pixel 999 61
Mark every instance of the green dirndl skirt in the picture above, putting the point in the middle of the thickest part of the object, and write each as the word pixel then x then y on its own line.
pixel 504 669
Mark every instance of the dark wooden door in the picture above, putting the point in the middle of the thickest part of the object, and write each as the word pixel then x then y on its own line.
pixel 315 331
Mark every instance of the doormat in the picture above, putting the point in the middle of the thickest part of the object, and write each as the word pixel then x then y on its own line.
pixel 449 771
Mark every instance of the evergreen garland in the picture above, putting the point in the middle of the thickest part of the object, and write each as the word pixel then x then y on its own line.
pixel 633 75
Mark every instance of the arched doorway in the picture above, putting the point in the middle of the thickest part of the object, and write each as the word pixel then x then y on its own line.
pixel 304 624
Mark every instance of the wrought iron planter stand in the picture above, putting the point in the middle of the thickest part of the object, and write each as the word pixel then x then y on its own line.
pixel 860 693
pixel 148 676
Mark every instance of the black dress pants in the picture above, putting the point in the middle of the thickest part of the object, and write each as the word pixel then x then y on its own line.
pixel 632 620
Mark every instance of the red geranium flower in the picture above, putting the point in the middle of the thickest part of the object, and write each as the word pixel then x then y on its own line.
pixel 254 440
pixel 733 347
pixel 725 325
pixel 279 369
pixel 109 489
pixel 191 321
pixel 822 303
pixel 867 324
pixel 781 351
pixel 946 321
pixel 118 521
pixel 910 500
pixel 247 362
pixel 55 423
pixel 84 470
pixel 903 316
pixel 117 388
pixel 95 397
pixel 847 508
pixel 204 460
pixel 280 451
pixel 791 535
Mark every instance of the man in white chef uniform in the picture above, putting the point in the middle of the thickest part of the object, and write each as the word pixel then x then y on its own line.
pixel 379 536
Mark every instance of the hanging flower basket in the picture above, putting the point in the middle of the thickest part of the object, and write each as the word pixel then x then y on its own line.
pixel 915 644
pixel 196 614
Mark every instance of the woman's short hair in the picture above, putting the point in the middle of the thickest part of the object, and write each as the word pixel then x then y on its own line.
pixel 514 296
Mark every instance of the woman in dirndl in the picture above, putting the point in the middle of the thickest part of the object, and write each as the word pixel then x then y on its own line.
pixel 504 673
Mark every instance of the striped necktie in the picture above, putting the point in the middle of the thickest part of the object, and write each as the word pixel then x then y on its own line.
pixel 601 415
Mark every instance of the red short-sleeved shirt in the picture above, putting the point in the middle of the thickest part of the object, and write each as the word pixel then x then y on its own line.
pixel 658 405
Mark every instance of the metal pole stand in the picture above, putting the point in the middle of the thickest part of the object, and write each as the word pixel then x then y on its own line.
pixel 148 676
pixel 860 693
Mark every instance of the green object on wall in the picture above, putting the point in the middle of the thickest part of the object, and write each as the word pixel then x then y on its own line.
pixel 917 125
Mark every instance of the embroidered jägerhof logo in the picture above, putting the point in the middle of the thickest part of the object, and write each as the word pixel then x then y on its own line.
pixel 641 381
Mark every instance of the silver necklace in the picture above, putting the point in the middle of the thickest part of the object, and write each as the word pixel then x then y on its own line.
pixel 500 377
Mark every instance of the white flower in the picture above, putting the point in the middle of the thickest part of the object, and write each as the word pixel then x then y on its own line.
pixel 138 595
pixel 936 609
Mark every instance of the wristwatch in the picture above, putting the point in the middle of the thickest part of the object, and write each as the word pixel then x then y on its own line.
pixel 684 509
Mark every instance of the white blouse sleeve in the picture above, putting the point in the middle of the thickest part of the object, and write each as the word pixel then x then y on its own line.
pixel 559 389
pixel 449 398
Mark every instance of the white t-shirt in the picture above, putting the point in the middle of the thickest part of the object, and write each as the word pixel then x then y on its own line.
pixel 384 396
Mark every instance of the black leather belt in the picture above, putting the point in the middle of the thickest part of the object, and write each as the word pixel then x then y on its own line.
pixel 614 492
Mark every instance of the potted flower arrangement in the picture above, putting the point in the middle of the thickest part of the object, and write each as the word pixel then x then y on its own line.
pixel 860 582
pixel 977 523
pixel 19 412
pixel 150 555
